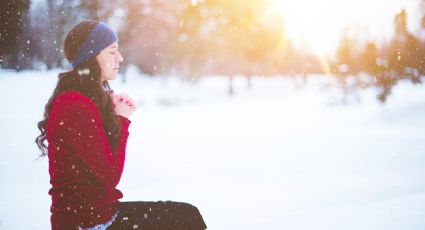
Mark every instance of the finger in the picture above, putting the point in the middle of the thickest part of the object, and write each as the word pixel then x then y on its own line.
pixel 124 95
pixel 132 101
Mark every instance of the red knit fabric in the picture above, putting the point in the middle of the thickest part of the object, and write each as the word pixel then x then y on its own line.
pixel 84 171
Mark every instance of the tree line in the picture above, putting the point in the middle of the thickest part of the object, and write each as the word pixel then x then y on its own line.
pixel 200 37
pixel 402 58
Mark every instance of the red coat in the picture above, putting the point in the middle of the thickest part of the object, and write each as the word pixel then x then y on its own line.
pixel 84 171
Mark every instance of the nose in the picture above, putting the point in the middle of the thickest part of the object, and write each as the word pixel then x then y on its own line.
pixel 120 58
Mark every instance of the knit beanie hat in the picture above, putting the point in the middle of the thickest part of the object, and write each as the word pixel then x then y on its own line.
pixel 100 37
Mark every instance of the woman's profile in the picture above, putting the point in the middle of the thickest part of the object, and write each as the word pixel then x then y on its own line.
pixel 86 127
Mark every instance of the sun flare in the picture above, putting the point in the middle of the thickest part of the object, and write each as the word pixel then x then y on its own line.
pixel 317 25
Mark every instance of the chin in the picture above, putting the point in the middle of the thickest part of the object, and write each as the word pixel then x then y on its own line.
pixel 112 77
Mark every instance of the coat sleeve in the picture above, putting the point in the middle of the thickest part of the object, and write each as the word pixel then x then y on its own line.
pixel 82 129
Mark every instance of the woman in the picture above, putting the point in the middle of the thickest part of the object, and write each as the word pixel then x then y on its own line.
pixel 86 126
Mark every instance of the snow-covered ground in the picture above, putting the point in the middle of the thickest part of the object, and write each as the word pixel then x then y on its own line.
pixel 270 157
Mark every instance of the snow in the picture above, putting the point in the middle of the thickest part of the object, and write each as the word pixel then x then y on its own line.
pixel 271 157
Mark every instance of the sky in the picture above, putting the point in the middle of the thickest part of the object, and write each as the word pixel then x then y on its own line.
pixel 317 24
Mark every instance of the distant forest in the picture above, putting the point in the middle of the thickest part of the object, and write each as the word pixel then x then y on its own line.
pixel 218 37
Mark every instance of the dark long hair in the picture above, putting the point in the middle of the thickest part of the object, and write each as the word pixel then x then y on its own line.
pixel 85 78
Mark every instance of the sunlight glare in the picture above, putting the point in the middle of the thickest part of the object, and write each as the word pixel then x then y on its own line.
pixel 317 25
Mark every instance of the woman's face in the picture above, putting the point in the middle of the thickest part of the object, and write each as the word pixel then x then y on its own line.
pixel 109 60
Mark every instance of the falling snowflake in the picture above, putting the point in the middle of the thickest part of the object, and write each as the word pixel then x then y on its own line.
pixel 83 72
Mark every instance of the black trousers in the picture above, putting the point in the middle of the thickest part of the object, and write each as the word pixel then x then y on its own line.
pixel 158 215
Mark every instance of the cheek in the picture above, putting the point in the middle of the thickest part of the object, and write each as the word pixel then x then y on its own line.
pixel 102 63
pixel 105 64
pixel 109 63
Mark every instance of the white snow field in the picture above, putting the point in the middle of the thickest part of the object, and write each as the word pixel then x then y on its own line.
pixel 271 157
